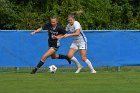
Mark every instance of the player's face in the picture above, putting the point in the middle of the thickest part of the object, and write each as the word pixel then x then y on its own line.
pixel 71 20
pixel 54 22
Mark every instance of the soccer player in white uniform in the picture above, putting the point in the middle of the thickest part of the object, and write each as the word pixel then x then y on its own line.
pixel 79 43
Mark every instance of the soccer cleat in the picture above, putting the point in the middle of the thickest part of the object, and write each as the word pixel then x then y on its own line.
pixel 68 60
pixel 94 72
pixel 34 71
pixel 79 69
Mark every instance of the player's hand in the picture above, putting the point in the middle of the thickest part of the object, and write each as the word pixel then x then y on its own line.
pixel 54 37
pixel 66 35
pixel 33 33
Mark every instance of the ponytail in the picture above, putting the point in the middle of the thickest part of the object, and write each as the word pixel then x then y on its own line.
pixel 75 13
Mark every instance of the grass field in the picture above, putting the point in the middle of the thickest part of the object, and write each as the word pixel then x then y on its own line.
pixel 69 82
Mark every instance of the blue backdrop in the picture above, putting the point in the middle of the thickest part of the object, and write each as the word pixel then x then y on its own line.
pixel 105 48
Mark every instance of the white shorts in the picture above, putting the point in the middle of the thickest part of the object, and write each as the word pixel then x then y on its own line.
pixel 81 45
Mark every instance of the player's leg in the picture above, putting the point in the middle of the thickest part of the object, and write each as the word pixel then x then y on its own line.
pixel 73 49
pixel 84 58
pixel 59 56
pixel 83 54
pixel 64 57
pixel 42 61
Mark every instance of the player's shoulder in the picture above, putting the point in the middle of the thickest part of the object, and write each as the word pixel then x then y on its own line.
pixel 60 28
pixel 46 26
pixel 76 23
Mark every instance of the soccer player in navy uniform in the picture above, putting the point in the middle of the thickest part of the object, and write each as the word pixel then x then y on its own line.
pixel 53 30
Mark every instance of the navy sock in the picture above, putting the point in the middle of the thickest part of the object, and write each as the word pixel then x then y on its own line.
pixel 62 56
pixel 40 64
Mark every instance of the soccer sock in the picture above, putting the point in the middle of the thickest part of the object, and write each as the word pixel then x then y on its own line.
pixel 76 62
pixel 39 64
pixel 36 68
pixel 89 65
pixel 63 57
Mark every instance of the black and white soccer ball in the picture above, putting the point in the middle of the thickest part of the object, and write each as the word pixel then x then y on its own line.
pixel 52 68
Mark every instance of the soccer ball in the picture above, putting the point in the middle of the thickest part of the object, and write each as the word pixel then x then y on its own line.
pixel 52 68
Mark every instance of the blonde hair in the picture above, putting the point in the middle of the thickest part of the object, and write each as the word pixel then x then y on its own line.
pixel 55 17
pixel 75 13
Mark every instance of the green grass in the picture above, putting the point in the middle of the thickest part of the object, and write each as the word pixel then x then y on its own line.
pixel 69 82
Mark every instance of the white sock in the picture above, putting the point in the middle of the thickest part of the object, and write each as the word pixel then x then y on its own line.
pixel 76 62
pixel 89 65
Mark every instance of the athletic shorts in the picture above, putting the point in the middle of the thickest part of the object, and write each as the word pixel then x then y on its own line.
pixel 81 45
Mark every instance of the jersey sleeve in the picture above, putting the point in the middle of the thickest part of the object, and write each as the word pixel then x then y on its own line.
pixel 46 26
pixel 77 25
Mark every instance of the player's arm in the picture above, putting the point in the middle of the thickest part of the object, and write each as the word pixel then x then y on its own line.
pixel 43 27
pixel 58 36
pixel 62 32
pixel 36 31
pixel 76 33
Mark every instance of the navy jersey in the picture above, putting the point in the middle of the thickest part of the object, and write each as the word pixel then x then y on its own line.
pixel 57 31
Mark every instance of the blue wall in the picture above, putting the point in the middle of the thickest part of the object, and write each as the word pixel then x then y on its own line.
pixel 106 48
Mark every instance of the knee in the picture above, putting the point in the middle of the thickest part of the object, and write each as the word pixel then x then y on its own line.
pixel 84 58
pixel 53 57
pixel 70 56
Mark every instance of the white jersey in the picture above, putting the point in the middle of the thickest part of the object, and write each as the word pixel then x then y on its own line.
pixel 73 28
